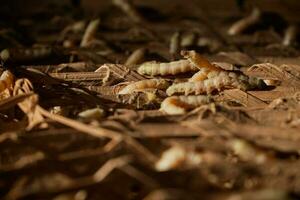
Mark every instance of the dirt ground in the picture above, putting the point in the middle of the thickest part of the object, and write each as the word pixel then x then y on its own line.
pixel 68 131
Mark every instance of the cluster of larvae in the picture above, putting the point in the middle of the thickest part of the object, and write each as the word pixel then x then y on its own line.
pixel 208 78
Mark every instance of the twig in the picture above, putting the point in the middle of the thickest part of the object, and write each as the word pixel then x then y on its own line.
pixel 12 101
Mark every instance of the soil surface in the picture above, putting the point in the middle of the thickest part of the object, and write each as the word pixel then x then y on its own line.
pixel 66 133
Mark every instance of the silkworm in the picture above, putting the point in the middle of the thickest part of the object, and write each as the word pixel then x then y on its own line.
pixel 90 32
pixel 145 84
pixel 25 54
pixel 203 74
pixel 6 80
pixel 172 68
pixel 290 35
pixel 198 61
pixel 175 43
pixel 241 25
pixel 136 57
pixel 180 104
pixel 129 9
pixel 219 82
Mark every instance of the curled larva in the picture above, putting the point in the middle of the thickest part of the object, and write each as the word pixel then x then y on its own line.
pixel 172 68
pixel 203 74
pixel 145 84
pixel 6 80
pixel 217 83
pixel 244 23
pixel 90 33
pixel 199 61
pixel 180 104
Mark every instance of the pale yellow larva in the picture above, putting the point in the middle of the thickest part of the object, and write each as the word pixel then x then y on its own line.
pixel 181 104
pixel 128 8
pixel 6 80
pixel 217 83
pixel 90 33
pixel 290 35
pixel 244 23
pixel 203 74
pixel 26 54
pixel 145 84
pixel 136 57
pixel 198 61
pixel 171 68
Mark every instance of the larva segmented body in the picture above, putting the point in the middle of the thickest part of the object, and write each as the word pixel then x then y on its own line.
pixel 25 54
pixel 203 74
pixel 6 80
pixel 199 61
pixel 172 68
pixel 181 104
pixel 145 84
pixel 219 82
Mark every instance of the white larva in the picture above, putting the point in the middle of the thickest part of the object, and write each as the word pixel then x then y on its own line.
pixel 222 81
pixel 171 68
pixel 177 105
pixel 136 57
pixel 26 54
pixel 145 84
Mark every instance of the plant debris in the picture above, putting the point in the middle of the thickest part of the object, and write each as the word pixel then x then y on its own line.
pixel 129 99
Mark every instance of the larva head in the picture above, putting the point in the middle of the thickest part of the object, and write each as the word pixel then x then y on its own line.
pixel 146 68
pixel 169 106
pixel 188 54
pixel 198 61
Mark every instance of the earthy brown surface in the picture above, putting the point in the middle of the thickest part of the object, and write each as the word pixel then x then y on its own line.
pixel 244 146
